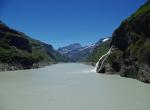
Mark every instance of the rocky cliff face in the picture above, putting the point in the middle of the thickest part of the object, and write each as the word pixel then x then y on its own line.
pixel 18 51
pixel 130 56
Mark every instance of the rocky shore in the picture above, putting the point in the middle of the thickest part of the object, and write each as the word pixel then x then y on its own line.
pixel 13 67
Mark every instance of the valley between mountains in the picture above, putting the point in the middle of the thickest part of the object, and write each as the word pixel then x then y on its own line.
pixel 129 55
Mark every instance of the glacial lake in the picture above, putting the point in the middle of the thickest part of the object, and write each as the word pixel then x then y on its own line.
pixel 70 86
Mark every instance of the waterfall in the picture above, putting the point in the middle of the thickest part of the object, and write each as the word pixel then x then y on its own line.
pixel 102 60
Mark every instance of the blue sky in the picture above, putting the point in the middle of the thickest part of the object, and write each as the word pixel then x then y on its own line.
pixel 61 22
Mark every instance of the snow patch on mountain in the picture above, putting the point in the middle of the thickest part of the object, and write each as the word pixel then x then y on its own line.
pixel 106 39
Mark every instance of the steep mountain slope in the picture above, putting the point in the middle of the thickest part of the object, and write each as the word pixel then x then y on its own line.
pixel 101 47
pixel 18 51
pixel 130 53
pixel 75 52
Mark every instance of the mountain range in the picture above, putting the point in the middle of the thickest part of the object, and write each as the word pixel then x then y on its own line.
pixel 19 51
pixel 77 53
